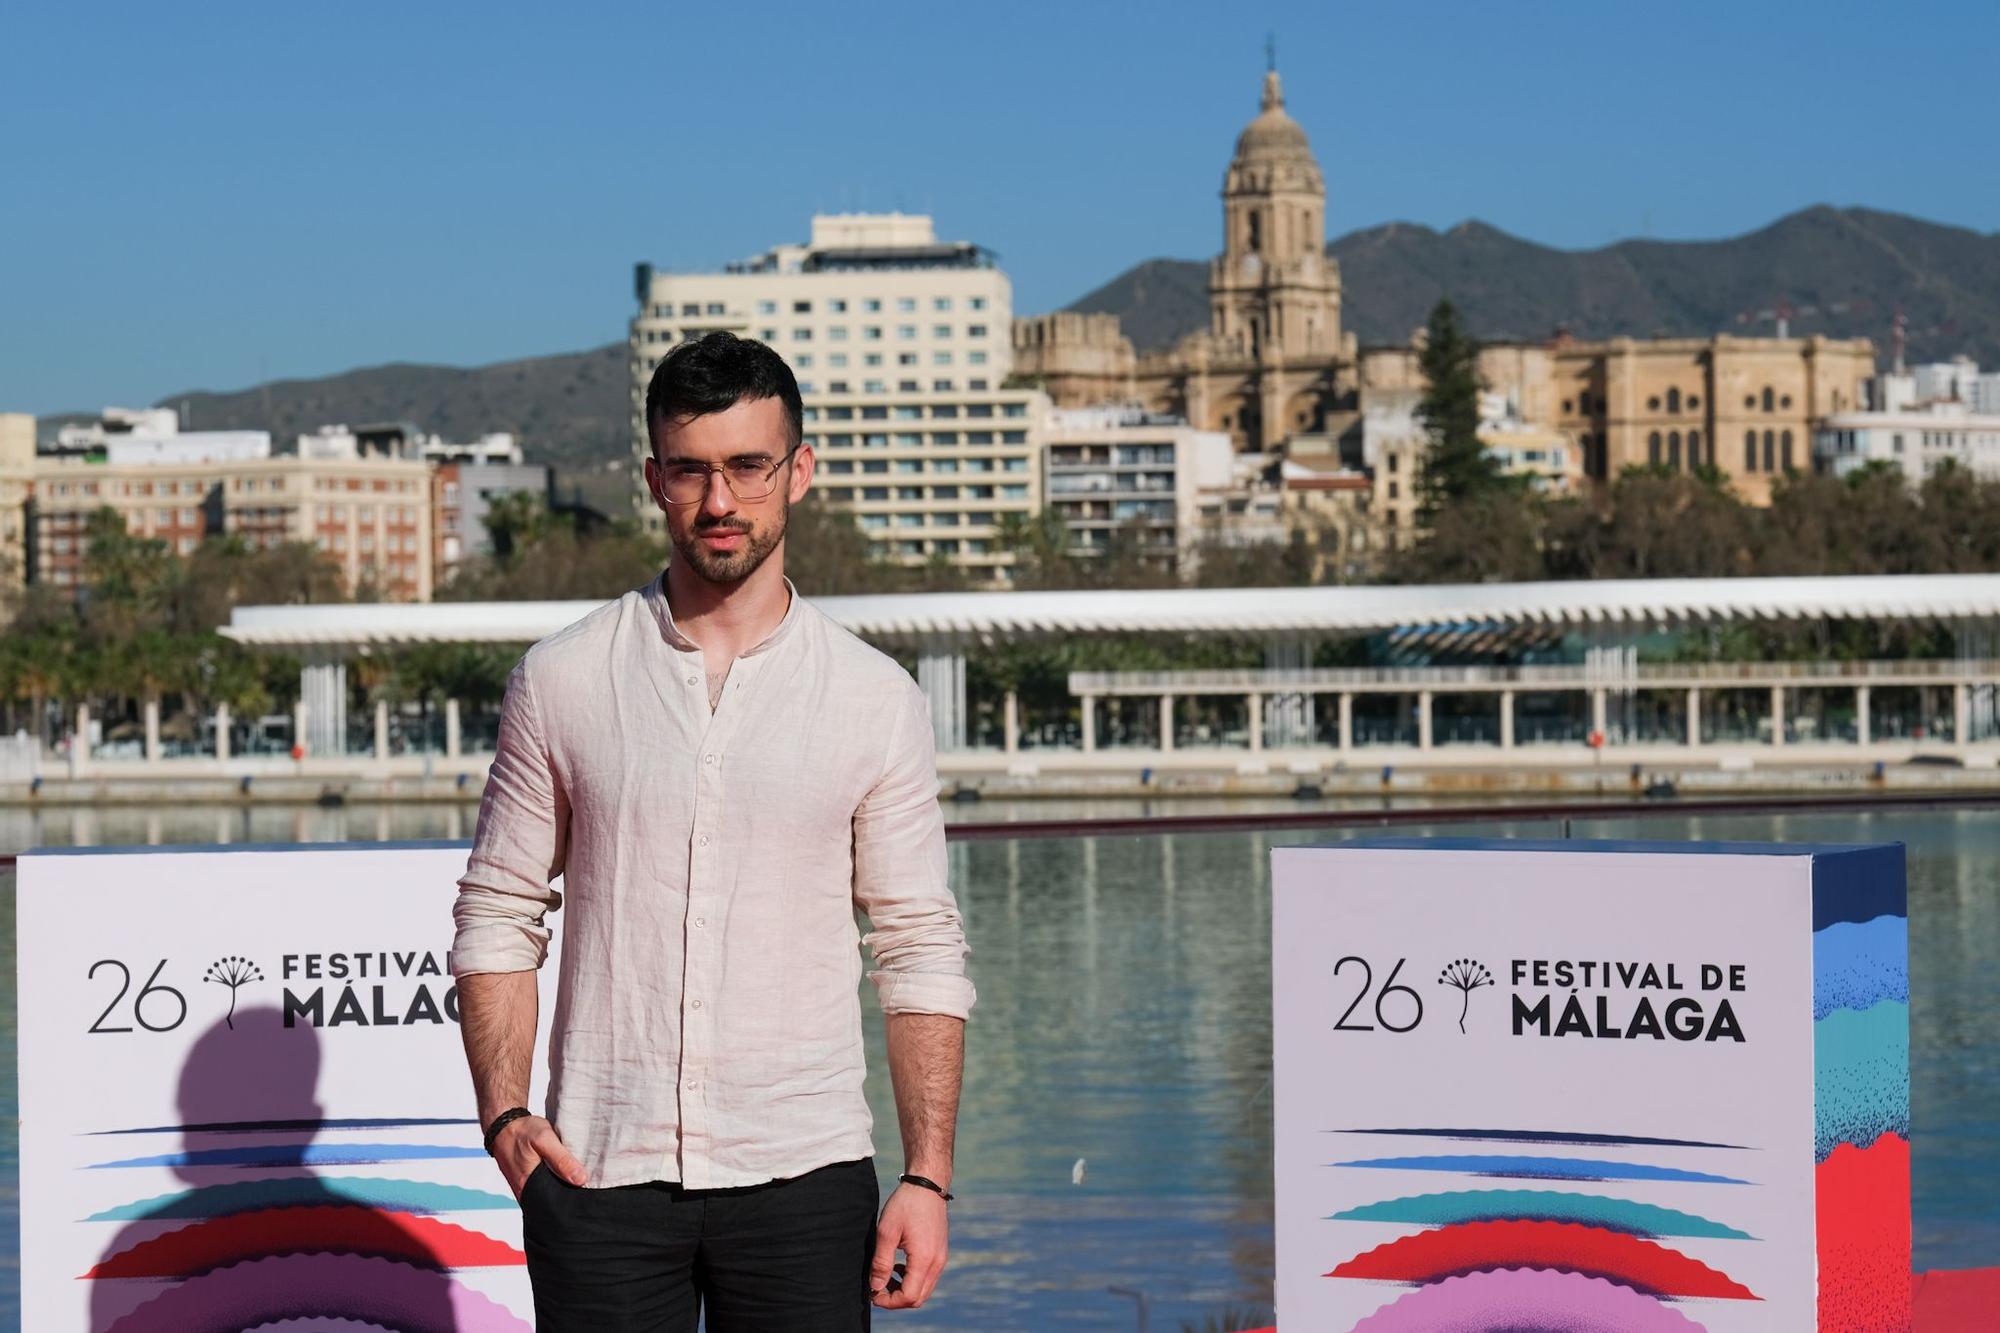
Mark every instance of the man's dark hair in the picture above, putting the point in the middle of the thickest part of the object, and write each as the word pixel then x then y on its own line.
pixel 715 372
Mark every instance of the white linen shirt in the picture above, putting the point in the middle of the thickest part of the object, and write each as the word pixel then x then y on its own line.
pixel 707 1025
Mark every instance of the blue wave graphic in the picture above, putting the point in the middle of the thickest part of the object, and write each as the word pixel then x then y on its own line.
pixel 285 1126
pixel 299 1154
pixel 1611 1214
pixel 1856 965
pixel 249 1196
pixel 1542 1168
pixel 1861 1076
pixel 1574 1137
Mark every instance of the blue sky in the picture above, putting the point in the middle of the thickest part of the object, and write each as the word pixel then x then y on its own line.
pixel 208 195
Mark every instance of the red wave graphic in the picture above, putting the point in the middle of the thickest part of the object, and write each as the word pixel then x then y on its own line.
pixel 1569 1247
pixel 269 1232
pixel 1862 1214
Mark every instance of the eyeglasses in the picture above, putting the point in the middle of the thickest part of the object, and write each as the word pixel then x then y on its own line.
pixel 752 477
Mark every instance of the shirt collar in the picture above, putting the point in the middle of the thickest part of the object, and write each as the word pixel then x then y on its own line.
pixel 656 593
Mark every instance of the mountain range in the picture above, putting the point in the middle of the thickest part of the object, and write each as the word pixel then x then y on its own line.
pixel 1843 272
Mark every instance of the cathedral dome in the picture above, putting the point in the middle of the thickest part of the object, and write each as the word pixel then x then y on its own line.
pixel 1274 135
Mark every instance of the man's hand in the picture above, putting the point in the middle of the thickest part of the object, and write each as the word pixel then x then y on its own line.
pixel 527 1141
pixel 914 1222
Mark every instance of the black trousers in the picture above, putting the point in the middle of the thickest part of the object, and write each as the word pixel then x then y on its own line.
pixel 786 1255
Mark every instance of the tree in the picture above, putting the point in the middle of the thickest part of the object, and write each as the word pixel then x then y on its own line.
pixel 1490 537
pixel 1455 466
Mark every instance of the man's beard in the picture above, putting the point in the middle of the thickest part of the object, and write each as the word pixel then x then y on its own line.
pixel 739 564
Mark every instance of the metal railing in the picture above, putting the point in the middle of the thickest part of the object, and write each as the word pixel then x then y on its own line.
pixel 1652 675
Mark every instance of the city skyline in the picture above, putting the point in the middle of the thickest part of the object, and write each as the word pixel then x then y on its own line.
pixel 277 198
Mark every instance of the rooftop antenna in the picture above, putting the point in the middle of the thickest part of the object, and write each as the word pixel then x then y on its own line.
pixel 1270 53
pixel 1899 333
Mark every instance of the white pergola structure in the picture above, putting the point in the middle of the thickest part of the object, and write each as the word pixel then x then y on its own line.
pixel 940 627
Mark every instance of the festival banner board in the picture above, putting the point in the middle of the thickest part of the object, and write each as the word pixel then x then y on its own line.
pixel 244 1099
pixel 1603 1087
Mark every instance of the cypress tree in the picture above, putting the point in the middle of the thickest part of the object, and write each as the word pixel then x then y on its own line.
pixel 1455 466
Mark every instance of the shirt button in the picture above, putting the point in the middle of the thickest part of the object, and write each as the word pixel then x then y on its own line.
pixel 702 840
pixel 694 1004
pixel 708 759
pixel 694 680
pixel 700 921
pixel 693 1083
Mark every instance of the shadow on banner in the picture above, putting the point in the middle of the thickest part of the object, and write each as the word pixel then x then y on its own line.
pixel 282 1214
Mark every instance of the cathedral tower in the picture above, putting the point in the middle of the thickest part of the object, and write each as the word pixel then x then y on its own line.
pixel 1273 294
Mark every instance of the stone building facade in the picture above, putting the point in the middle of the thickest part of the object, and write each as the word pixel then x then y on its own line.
pixel 1274 365
pixel 1274 361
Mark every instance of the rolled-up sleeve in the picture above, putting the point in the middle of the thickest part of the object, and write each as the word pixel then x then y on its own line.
pixel 517 850
pixel 900 879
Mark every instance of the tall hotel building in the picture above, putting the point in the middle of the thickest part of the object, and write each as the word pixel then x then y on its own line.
pixel 901 344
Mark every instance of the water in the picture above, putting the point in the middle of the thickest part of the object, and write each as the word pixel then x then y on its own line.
pixel 1124 1019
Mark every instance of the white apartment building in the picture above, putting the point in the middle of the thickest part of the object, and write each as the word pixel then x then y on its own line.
pixel 123 435
pixel 1959 380
pixel 1107 467
pixel 901 344
pixel 1916 440
pixel 338 442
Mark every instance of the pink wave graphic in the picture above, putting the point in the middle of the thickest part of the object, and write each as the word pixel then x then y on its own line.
pixel 323 1287
pixel 1526 1298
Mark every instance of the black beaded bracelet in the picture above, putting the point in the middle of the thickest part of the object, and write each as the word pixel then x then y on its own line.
pixel 501 1121
pixel 924 1182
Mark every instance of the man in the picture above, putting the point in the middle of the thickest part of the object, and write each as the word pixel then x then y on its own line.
pixel 722 775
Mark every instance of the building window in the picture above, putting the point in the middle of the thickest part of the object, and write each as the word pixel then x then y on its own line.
pixel 1653 404
pixel 804 361
pixel 767 307
pixel 1768 398
pixel 871 306
pixel 1673 400
pixel 947 438
pixel 975 330
pixel 715 308
pixel 764 336
pixel 837 360
pixel 1694 450
pixel 872 359
pixel 1770 463
pixel 1694 403
pixel 873 386
pixel 1566 407
pixel 1749 451
pixel 871 333
pixel 906 358
pixel 1653 449
pixel 838 333
pixel 976 303
pixel 1785 450
pixel 941 303
pixel 802 335
pixel 838 386
pixel 836 306
pixel 975 359
pixel 802 307
pixel 1674 450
